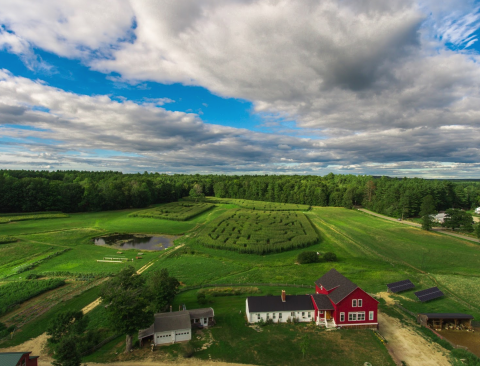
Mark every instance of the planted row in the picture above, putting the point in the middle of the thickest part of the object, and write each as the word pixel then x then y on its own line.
pixel 16 217
pixel 29 266
pixel 14 293
pixel 4 239
pixel 248 231
pixel 177 211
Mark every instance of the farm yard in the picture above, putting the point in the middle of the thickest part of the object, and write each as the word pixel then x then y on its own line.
pixel 370 251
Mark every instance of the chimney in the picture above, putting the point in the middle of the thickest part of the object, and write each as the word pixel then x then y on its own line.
pixel 170 308
pixel 284 297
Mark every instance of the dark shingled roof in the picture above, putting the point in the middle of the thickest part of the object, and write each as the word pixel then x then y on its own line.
pixel 165 322
pixel 262 304
pixel 447 316
pixel 323 302
pixel 201 313
pixel 335 280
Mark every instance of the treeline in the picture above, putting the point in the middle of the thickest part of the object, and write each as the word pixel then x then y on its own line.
pixel 74 191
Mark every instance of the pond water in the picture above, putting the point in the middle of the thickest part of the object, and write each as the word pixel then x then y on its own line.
pixel 129 241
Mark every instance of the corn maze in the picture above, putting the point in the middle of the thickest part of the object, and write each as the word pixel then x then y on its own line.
pixel 177 211
pixel 258 232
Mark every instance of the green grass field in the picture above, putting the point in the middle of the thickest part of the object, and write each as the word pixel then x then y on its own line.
pixel 177 211
pixel 371 252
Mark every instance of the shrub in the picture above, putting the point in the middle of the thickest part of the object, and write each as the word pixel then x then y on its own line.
pixel 308 257
pixel 330 257
pixel 32 276
pixel 201 298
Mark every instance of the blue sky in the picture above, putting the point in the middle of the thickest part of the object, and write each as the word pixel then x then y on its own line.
pixel 242 87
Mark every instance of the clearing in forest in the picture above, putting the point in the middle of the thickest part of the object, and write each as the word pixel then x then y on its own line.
pixel 177 211
pixel 248 231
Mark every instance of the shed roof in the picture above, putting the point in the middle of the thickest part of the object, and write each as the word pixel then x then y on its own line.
pixel 10 358
pixel 323 302
pixel 201 313
pixel 447 316
pixel 165 322
pixel 262 304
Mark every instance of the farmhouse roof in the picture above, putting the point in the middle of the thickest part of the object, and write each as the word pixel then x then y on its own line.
pixel 341 285
pixel 201 313
pixel 262 304
pixel 447 316
pixel 12 358
pixel 323 302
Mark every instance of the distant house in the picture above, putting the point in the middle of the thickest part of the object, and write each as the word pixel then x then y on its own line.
pixel 175 326
pixel 279 308
pixel 477 210
pixel 338 302
pixel 17 359
pixel 440 217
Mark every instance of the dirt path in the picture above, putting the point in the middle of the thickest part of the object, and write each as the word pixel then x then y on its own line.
pixel 409 346
pixel 189 362
pixel 436 229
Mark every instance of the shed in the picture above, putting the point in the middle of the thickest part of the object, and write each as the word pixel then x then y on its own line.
pixel 439 321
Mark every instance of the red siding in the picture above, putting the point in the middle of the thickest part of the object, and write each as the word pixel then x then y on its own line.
pixel 28 361
pixel 345 306
pixel 322 291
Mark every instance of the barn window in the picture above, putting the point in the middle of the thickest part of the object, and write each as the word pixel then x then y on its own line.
pixel 354 303
pixel 360 303
pixel 370 315
pixel 352 317
pixel 342 317
pixel 361 316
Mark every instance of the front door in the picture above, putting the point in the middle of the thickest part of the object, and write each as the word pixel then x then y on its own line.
pixel 328 315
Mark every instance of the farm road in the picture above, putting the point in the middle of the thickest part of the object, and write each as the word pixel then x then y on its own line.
pixel 437 229
pixel 409 346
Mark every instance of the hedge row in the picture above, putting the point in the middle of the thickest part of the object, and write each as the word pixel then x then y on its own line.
pixel 176 211
pixel 4 239
pixel 10 218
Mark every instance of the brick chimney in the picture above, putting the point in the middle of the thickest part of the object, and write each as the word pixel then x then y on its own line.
pixel 284 297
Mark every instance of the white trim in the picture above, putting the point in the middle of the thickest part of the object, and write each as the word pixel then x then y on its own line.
pixel 360 303
pixel 354 303
pixel 371 315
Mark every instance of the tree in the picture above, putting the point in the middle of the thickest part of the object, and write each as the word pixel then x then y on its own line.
pixel 456 218
pixel 427 209
pixel 197 192
pixel 66 325
pixel 66 353
pixel 307 257
pixel 127 302
pixel 477 230
pixel 162 289
pixel 330 257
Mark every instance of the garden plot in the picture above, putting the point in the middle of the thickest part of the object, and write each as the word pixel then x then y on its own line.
pixel 248 231
pixel 177 211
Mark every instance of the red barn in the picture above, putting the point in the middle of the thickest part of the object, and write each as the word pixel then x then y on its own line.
pixel 339 302
pixel 17 359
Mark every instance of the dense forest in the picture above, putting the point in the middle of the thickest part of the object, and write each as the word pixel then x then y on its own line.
pixel 76 191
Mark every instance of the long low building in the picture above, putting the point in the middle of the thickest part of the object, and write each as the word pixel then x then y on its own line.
pixel 175 326
pixel 279 308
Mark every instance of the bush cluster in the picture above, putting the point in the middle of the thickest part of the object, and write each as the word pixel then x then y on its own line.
pixel 176 211
pixel 258 232
pixel 308 257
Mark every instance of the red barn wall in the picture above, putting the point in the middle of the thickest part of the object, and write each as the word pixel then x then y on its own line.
pixel 345 306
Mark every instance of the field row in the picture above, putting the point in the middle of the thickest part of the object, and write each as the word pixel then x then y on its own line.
pixel 260 205
pixel 177 211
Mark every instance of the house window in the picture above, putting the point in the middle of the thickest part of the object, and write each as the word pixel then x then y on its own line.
pixel 280 315
pixel 370 315
pixel 360 303
pixel 273 315
pixel 292 313
pixel 309 314
pixel 258 317
pixel 204 320
pixel 321 311
pixel 354 303
pixel 352 317
pixel 303 314
pixel 342 317
pixel 361 316
pixel 268 316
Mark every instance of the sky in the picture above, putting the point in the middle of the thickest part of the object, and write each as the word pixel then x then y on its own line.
pixel 241 86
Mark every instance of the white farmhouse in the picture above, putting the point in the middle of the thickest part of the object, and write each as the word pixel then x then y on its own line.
pixel 280 308
pixel 175 326
pixel 440 217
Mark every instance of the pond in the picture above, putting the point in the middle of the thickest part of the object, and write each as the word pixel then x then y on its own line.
pixel 135 241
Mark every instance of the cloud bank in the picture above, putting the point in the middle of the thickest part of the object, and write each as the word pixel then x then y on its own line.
pixel 370 83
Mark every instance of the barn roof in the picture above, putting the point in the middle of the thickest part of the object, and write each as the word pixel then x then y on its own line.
pixel 335 280
pixel 262 304
pixel 11 358
pixel 323 302
pixel 201 313
pixel 165 322
pixel 447 316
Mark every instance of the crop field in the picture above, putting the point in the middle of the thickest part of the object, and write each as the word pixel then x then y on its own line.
pixel 260 205
pixel 15 293
pixel 4 239
pixel 177 211
pixel 248 231
pixel 36 216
